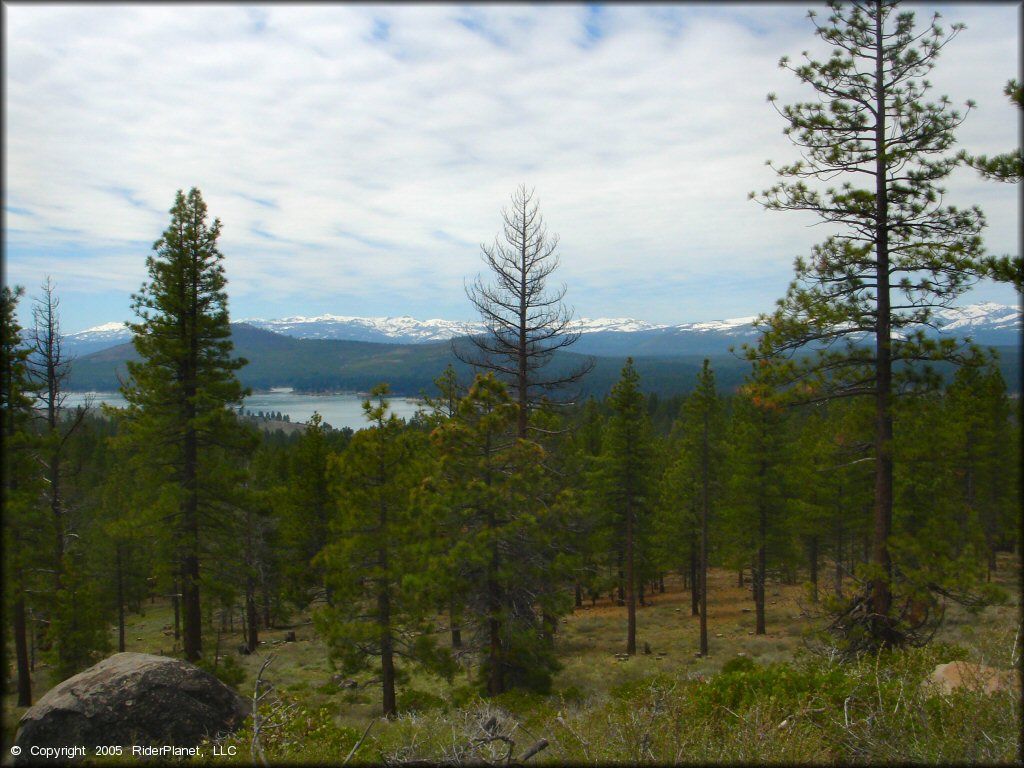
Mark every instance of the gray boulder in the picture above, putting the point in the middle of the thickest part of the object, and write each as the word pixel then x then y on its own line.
pixel 132 699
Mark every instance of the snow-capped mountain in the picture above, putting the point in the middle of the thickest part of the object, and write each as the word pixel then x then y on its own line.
pixel 97 338
pixel 399 330
pixel 985 316
pixel 986 323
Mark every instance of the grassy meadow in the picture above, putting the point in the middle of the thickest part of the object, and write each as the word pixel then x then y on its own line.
pixel 769 698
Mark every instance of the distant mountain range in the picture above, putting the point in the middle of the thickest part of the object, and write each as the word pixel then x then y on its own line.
pixel 986 323
pixel 333 353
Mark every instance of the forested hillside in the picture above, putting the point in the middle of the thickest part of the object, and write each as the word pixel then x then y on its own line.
pixel 325 365
pixel 831 510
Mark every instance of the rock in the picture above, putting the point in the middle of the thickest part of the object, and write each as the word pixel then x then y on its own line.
pixel 132 699
pixel 963 674
pixel 343 682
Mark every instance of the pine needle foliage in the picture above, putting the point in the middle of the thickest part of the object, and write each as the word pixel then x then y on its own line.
pixel 873 153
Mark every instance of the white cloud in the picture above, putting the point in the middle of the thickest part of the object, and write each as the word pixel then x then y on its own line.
pixel 358 154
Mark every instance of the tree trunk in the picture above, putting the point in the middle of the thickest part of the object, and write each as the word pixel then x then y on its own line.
pixel 495 678
pixel 192 618
pixel 694 581
pixel 813 547
pixel 387 658
pixel 453 622
pixel 880 595
pixel 120 600
pixel 176 602
pixel 265 594
pixel 630 575
pixel 21 654
pixel 523 350
pixel 251 616
pixel 762 537
pixel 620 558
pixel 549 626
pixel 758 579
pixel 839 558
pixel 704 510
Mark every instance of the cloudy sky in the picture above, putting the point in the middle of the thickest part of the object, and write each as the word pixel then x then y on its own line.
pixel 358 155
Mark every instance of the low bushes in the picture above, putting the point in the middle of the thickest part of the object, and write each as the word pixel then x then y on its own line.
pixel 878 709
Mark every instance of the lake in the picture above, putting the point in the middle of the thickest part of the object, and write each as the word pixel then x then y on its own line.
pixel 340 410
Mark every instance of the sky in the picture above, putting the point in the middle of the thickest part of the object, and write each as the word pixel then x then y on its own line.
pixel 358 155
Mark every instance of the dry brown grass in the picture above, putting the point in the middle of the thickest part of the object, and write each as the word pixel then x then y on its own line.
pixel 592 636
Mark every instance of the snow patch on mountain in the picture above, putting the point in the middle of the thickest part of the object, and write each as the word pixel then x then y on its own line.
pixel 987 314
pixel 734 325
pixel 107 329
pixel 405 328
pixel 619 324
pixel 982 318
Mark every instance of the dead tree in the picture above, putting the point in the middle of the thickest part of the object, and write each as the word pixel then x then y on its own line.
pixel 526 323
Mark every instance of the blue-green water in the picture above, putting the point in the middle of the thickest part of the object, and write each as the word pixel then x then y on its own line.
pixel 342 410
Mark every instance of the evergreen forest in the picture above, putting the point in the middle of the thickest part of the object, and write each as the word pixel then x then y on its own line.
pixel 760 568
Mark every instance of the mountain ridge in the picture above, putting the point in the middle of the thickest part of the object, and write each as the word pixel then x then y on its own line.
pixel 988 322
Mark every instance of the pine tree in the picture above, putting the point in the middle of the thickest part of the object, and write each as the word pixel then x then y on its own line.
pixel 697 473
pixel 20 483
pixel 306 508
pixel 445 406
pixel 624 475
pixel 759 500
pixel 180 391
pixel 48 370
pixel 499 565
pixel 526 324
pixel 864 297
pixel 938 539
pixel 834 447
pixel 376 546
pixel 977 416
pixel 1007 167
pixel 122 543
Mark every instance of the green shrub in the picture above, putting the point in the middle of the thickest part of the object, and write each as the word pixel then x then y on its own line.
pixel 519 701
pixel 739 664
pixel 637 690
pixel 413 700
pixel 228 670
pixel 776 685
pixel 572 695
pixel 293 733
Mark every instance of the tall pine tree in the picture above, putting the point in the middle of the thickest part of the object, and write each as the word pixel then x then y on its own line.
pixel 874 152
pixel 20 485
pixel 624 476
pixel 179 392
